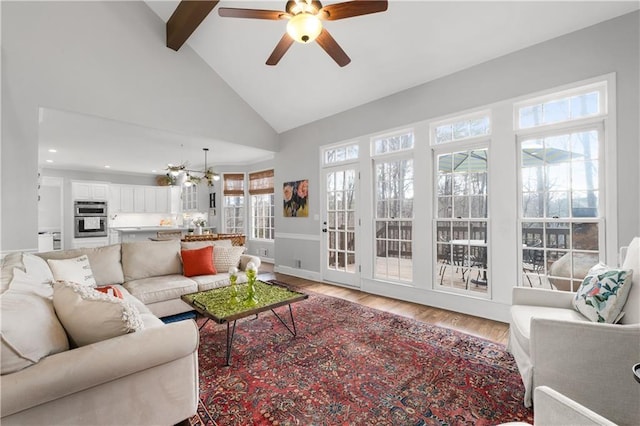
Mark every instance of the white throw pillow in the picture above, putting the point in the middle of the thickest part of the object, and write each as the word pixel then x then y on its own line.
pixel 30 328
pixel 90 316
pixel 226 257
pixel 37 268
pixel 603 293
pixel 77 270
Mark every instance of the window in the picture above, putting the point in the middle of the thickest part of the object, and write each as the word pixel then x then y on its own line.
pixel 234 203
pixel 340 154
pixel 262 208
pixel 583 102
pixel 461 128
pixel 396 143
pixel 461 224
pixel 394 209
pixel 461 200
pixel 560 207
pixel 561 186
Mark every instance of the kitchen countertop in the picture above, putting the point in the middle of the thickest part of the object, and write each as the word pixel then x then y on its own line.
pixel 140 229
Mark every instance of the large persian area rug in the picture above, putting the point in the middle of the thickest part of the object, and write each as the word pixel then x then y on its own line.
pixel 353 365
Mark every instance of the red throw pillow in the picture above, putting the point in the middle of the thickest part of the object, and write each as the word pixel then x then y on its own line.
pixel 107 289
pixel 198 262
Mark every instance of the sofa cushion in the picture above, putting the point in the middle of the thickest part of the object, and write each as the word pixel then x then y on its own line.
pixel 158 289
pixel 190 245
pixel 521 316
pixel 227 257
pixel 37 268
pixel 148 318
pixel 198 262
pixel 603 293
pixel 632 261
pixel 77 270
pixel 30 328
pixel 9 263
pixel 146 259
pixel 105 261
pixel 89 316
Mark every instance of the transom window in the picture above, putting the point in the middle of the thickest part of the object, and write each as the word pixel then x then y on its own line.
pixel 394 143
pixel 459 129
pixel 579 103
pixel 341 154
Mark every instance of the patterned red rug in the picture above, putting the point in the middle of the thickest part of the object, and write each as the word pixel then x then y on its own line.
pixel 353 365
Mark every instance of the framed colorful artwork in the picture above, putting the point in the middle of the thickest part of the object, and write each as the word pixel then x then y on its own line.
pixel 295 197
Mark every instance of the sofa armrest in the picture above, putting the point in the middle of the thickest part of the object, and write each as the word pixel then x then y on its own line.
pixel 78 369
pixel 542 297
pixel 589 363
pixel 246 258
pixel 554 408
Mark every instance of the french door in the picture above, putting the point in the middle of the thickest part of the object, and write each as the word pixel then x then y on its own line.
pixel 340 226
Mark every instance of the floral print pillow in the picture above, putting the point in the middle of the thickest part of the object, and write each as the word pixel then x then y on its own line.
pixel 603 293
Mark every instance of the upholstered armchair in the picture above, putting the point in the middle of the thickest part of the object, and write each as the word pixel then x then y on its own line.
pixel 589 362
pixel 554 408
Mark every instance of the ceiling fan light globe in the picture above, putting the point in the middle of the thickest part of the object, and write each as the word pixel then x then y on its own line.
pixel 304 27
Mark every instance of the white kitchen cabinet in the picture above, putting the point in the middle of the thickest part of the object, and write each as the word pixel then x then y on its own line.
pixel 163 199
pixel 126 198
pixel 175 201
pixel 114 199
pixel 90 191
pixel 150 199
pixel 190 198
pixel 138 199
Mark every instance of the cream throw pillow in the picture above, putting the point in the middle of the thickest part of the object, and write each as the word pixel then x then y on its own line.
pixel 37 268
pixel 77 270
pixel 30 329
pixel 89 316
pixel 603 293
pixel 226 257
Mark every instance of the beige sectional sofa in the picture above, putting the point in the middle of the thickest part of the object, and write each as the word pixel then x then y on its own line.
pixel 146 375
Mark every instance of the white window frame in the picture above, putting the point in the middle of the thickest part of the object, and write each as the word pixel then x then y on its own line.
pixel 324 150
pixel 608 229
pixel 268 218
pixel 400 154
pixel 457 118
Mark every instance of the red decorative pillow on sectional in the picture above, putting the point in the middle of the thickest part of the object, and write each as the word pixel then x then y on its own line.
pixel 107 289
pixel 198 262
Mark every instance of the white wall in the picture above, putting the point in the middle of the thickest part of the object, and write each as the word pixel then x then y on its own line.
pixel 612 46
pixel 106 59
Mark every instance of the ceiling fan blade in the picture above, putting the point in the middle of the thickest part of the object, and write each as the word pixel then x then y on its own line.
pixel 332 47
pixel 350 9
pixel 281 48
pixel 231 12
pixel 185 19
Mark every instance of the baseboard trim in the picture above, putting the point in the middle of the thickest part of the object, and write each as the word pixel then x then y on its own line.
pixel 296 272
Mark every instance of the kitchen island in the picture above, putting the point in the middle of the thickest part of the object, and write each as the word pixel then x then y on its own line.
pixel 144 233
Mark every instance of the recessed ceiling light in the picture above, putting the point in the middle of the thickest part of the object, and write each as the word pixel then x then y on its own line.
pixel 154 171
pixel 49 161
pixel 107 166
pixel 53 150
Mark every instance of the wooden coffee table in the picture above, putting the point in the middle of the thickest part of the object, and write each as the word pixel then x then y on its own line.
pixel 220 305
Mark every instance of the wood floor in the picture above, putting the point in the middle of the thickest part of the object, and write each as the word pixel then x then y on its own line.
pixel 488 329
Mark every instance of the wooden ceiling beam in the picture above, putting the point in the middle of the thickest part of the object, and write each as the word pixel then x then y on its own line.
pixel 185 19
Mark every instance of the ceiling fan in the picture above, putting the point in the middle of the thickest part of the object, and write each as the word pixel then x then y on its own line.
pixel 305 24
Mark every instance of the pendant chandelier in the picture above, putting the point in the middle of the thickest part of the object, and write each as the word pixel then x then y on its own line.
pixel 181 175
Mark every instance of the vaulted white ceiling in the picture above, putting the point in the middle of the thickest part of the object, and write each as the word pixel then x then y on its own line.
pixel 413 42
